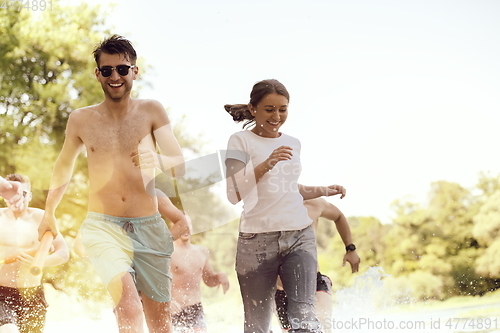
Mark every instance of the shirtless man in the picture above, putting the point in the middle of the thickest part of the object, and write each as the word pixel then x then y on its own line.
pixel 11 192
pixel 191 264
pixel 22 301
pixel 317 208
pixel 124 236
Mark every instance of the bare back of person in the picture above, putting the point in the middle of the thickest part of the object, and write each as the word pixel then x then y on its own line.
pixel 187 266
pixel 18 235
pixel 315 209
pixel 117 187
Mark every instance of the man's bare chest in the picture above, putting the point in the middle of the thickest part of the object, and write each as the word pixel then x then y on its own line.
pixel 122 137
pixel 19 233
pixel 187 263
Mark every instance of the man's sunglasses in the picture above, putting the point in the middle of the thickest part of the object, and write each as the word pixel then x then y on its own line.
pixel 106 71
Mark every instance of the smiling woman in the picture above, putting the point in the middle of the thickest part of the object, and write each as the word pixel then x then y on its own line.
pixel 276 238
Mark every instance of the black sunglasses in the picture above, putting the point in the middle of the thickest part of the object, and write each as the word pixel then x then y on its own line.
pixel 106 71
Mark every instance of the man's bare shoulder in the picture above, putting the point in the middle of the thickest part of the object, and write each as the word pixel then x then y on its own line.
pixel 151 105
pixel 201 250
pixel 84 112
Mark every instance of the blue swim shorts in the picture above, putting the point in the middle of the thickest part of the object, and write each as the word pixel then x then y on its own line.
pixel 141 246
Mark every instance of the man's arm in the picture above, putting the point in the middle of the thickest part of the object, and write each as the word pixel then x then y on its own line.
pixel 173 214
pixel 60 254
pixel 313 192
pixel 63 170
pixel 331 212
pixel 211 278
pixel 171 154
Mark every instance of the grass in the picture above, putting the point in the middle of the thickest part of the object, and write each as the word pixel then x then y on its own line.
pixel 453 302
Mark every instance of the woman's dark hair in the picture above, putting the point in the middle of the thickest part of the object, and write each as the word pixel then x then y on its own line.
pixel 116 44
pixel 241 112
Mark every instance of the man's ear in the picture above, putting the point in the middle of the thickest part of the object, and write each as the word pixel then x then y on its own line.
pixel 136 71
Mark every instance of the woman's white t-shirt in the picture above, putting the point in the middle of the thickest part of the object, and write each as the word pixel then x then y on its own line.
pixel 275 203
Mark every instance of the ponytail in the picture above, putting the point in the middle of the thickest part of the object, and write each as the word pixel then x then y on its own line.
pixel 240 112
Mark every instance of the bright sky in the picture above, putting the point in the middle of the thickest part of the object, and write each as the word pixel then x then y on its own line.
pixel 386 96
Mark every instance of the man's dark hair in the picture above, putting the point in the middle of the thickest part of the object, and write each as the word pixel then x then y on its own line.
pixel 115 44
pixel 15 177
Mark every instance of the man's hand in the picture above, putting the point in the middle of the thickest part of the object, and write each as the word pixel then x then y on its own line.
pixel 353 259
pixel 25 258
pixel 334 190
pixel 223 281
pixel 48 223
pixel 145 158
pixel 179 228
pixel 14 194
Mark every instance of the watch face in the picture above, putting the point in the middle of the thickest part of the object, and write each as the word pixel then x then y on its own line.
pixel 350 247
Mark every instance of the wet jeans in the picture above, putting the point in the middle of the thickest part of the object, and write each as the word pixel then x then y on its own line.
pixel 259 259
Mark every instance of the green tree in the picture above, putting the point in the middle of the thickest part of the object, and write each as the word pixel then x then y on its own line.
pixel 437 240
pixel 45 73
pixel 487 231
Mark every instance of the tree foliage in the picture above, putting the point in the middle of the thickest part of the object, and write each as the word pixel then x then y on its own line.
pixel 46 71
pixel 448 247
pixel 441 240
pixel 487 231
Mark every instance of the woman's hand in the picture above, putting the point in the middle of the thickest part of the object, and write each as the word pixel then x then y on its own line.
pixel 282 153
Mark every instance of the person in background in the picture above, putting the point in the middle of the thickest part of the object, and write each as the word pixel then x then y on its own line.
pixel 22 302
pixel 190 265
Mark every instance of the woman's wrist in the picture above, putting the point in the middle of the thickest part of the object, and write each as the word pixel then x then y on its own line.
pixel 265 167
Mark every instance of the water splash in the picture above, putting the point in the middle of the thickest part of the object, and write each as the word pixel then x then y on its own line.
pixel 374 303
pixel 366 306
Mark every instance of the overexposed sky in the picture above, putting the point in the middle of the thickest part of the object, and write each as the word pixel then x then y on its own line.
pixel 386 96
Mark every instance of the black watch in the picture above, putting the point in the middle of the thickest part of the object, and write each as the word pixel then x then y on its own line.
pixel 350 247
